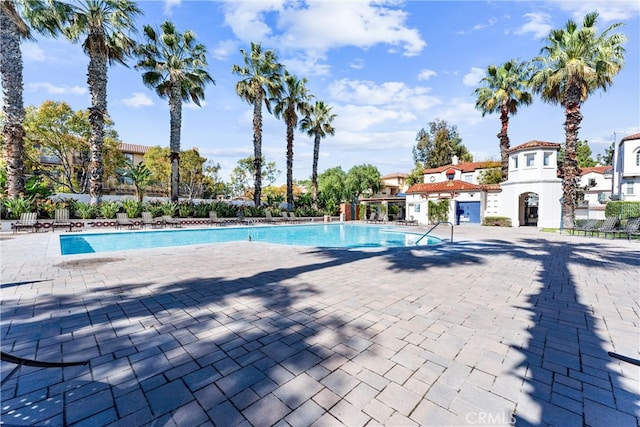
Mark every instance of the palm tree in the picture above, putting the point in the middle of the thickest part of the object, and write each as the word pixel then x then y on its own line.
pixel 105 23
pixel 574 63
pixel 176 68
pixel 504 90
pixel 293 99
pixel 261 76
pixel 16 20
pixel 317 124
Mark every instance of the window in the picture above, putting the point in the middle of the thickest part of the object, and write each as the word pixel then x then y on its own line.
pixel 530 159
pixel 129 157
pixel 546 161
pixel 515 162
pixel 592 182
pixel 638 158
pixel 468 178
pixel 417 207
pixel 630 188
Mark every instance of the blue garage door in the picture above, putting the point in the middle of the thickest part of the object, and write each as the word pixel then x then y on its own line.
pixel 467 213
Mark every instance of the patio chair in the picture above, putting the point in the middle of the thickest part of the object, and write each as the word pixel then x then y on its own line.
pixel 213 218
pixel 294 218
pixel 590 225
pixel 608 227
pixel 148 219
pixel 168 220
pixel 61 219
pixel 630 229
pixel 123 220
pixel 269 219
pixel 373 217
pixel 27 220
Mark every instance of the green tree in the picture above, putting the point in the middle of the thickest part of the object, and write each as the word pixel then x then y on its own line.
pixel 157 160
pixel 583 155
pixel 192 173
pixel 105 24
pixel 294 98
pixel 175 66
pixel 318 125
pixel 332 186
pixel 438 146
pixel 141 177
pixel 212 184
pixel 362 180
pixel 245 169
pixel 16 20
pixel 416 176
pixel 260 81
pixel 490 176
pixel 504 90
pixel 574 63
pixel 606 159
pixel 60 136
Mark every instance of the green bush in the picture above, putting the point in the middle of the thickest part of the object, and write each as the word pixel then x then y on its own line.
pixel 85 210
pixel 622 209
pixel 438 211
pixel 108 209
pixel 168 208
pixel 497 221
pixel 131 207
pixel 18 206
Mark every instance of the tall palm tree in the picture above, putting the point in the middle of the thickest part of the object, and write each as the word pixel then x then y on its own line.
pixel 261 75
pixel 504 90
pixel 574 63
pixel 176 68
pixel 294 99
pixel 16 20
pixel 105 25
pixel 318 125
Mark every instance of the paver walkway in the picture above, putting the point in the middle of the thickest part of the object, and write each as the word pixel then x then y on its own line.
pixel 503 326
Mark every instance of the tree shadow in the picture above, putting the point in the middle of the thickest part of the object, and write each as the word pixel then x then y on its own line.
pixel 156 347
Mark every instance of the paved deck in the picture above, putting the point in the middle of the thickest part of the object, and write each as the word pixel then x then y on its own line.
pixel 502 326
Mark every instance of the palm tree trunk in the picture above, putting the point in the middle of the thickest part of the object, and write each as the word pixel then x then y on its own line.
pixel 503 136
pixel 570 169
pixel 13 106
pixel 257 150
pixel 175 111
pixel 314 171
pixel 97 80
pixel 289 166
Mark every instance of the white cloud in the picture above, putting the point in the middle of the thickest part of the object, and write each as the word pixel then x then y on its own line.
pixel 192 106
pixel 461 111
pixel 357 63
pixel 32 52
pixel 426 74
pixel 138 99
pixel 473 77
pixel 169 5
pixel 318 26
pixel 490 23
pixel 57 90
pixel 395 95
pixel 307 66
pixel 609 10
pixel 356 118
pixel 224 49
pixel 538 24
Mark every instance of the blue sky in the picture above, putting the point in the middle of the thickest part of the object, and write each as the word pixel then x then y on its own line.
pixel 387 67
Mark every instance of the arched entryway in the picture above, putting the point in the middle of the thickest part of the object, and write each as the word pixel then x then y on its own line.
pixel 529 209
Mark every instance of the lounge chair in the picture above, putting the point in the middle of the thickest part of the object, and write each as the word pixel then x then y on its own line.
pixel 27 220
pixel 608 227
pixel 373 217
pixel 269 219
pixel 171 221
pixel 123 220
pixel 590 225
pixel 213 218
pixel 61 219
pixel 630 229
pixel 148 219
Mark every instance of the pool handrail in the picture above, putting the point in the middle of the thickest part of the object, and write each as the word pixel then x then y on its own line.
pixel 432 228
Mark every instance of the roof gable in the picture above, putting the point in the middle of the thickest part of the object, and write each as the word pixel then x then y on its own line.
pixel 464 167
pixel 449 186
pixel 534 144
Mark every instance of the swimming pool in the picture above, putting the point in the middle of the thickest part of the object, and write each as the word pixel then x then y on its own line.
pixel 315 235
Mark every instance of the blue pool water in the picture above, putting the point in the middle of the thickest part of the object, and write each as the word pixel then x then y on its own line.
pixel 315 235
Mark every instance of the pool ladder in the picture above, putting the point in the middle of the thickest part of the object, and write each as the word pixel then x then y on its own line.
pixel 432 228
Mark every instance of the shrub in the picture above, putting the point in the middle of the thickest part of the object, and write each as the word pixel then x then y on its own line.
pixel 18 206
pixel 438 211
pixel 185 209
pixel 497 221
pixel 622 209
pixel 109 209
pixel 131 207
pixel 168 208
pixel 85 210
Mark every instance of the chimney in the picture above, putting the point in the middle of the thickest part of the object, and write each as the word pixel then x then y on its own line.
pixel 454 160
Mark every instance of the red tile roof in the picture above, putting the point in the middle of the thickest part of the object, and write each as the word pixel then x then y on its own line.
pixel 534 144
pixel 630 137
pixel 595 169
pixel 133 148
pixel 395 175
pixel 465 167
pixel 447 186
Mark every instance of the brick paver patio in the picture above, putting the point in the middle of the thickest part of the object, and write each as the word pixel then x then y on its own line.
pixel 503 326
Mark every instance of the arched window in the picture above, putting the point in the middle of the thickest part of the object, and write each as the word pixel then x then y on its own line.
pixel 638 157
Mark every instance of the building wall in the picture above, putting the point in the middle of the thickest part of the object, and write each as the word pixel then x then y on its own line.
pixel 626 178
